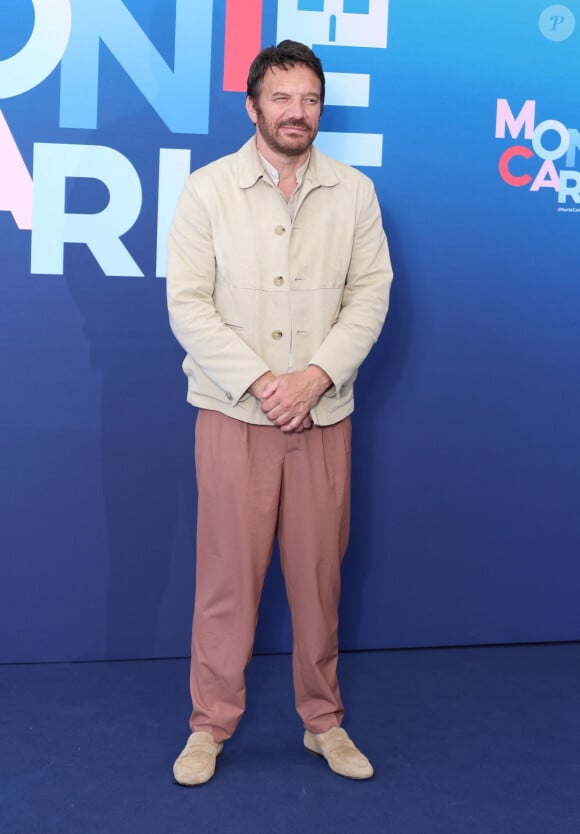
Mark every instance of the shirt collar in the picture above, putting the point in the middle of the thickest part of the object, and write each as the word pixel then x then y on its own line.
pixel 275 176
pixel 321 171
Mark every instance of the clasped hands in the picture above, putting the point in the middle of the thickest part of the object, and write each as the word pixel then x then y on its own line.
pixel 287 399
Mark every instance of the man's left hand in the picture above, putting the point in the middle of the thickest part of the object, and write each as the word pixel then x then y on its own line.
pixel 288 399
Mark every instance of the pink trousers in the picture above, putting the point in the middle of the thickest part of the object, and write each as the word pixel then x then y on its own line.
pixel 256 483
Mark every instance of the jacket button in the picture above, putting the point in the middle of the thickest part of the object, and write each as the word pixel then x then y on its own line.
pixel 279 230
pixel 277 334
pixel 278 280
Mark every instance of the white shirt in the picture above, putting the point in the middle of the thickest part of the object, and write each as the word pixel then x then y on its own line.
pixel 272 172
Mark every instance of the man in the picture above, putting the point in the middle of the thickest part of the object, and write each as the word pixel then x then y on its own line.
pixel 278 283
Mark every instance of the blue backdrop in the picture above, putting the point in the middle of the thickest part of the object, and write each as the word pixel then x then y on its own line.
pixel 465 526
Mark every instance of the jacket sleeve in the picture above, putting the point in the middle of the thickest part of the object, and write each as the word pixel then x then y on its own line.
pixel 366 297
pixel 221 354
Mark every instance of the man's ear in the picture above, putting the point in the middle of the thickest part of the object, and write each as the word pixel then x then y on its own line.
pixel 251 110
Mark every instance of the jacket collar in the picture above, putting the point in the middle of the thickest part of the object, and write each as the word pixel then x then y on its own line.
pixel 320 171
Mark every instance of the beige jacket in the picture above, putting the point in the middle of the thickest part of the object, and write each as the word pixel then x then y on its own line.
pixel 251 291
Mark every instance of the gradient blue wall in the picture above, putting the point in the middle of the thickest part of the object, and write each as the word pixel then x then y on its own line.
pixel 466 526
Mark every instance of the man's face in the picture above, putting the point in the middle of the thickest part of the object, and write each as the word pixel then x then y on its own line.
pixel 287 110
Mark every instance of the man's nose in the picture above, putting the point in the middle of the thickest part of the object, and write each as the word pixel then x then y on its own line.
pixel 296 107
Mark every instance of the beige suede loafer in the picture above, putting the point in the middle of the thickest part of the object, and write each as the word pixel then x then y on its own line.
pixel 340 753
pixel 196 762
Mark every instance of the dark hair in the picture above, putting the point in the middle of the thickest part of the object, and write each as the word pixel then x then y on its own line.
pixel 286 54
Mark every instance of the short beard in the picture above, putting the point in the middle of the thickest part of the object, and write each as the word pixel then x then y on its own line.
pixel 271 139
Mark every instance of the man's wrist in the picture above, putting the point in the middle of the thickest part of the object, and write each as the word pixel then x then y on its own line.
pixel 258 385
pixel 320 378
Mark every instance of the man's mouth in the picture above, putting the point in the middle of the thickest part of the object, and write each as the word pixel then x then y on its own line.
pixel 294 126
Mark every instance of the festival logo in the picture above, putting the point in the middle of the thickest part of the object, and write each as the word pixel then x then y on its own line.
pixel 544 157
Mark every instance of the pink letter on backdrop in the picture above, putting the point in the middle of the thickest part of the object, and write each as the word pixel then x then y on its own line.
pixel 15 181
pixel 243 41
pixel 504 160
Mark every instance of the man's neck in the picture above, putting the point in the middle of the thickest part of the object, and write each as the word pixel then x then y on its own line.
pixel 287 166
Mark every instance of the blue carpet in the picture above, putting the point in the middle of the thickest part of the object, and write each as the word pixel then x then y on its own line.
pixel 464 741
